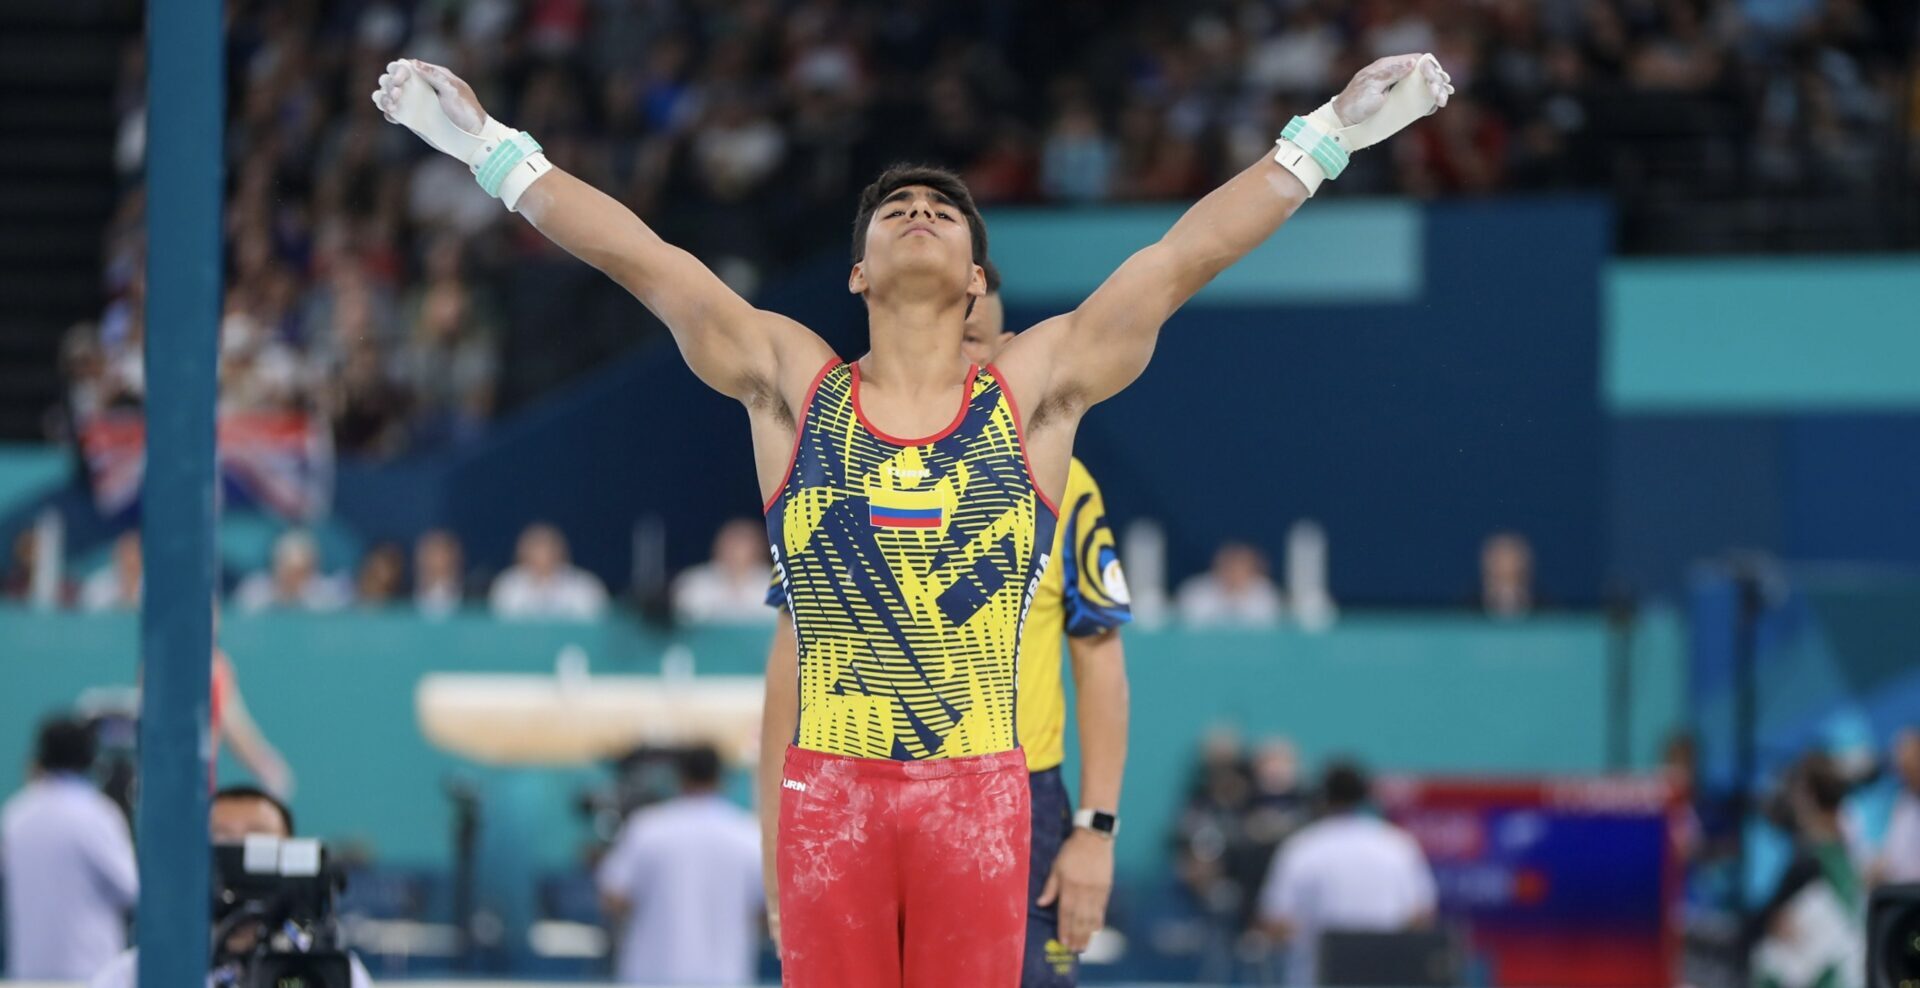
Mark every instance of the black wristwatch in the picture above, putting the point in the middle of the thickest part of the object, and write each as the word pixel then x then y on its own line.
pixel 1099 821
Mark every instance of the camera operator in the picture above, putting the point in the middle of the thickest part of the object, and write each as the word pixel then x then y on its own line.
pixel 236 813
pixel 1811 932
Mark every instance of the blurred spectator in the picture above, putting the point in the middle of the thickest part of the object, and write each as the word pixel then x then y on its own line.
pixel 439 574
pixel 1349 872
pixel 1212 838
pixel 1077 163
pixel 116 586
pixel 543 584
pixel 232 723
pixel 1811 931
pixel 1236 591
pixel 68 861
pixel 383 574
pixel 294 583
pixel 1462 152
pixel 1278 806
pixel 1679 764
pixel 18 583
pixel 1899 859
pixel 732 586
pixel 448 367
pixel 369 407
pixel 682 882
pixel 1506 576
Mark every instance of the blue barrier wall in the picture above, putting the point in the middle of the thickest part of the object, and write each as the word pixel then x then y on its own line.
pixel 1411 415
pixel 1761 403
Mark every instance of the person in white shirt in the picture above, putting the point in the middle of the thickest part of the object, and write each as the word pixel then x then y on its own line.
pixel 439 574
pixel 543 584
pixel 235 814
pixel 682 882
pixel 295 582
pixel 66 858
pixel 1899 859
pixel 116 587
pixel 1349 872
pixel 1236 592
pixel 732 587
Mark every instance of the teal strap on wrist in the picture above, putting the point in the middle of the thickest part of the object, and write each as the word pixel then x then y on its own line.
pixel 1320 146
pixel 505 158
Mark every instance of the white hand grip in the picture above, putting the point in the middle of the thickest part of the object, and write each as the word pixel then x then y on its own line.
pixel 418 107
pixel 1410 99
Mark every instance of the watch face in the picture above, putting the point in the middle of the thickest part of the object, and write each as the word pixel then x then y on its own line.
pixel 1104 822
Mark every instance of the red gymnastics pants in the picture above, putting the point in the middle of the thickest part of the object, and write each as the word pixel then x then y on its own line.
pixel 897 874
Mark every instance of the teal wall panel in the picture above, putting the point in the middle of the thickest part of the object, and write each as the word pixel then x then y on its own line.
pixel 1763 335
pixel 1407 692
pixel 1356 252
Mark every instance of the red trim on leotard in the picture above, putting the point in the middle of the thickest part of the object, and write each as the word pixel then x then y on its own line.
pixel 1020 434
pixel 966 399
pixel 799 430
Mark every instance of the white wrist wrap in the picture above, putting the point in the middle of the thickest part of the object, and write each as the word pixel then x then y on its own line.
pixel 510 166
pixel 1311 148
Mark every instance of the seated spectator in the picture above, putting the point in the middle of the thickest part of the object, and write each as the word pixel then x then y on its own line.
pixel 1279 805
pixel 235 814
pixel 542 583
pixel 1210 838
pixel 1349 872
pixel 294 583
pixel 732 586
pixel 18 583
pixel 1236 591
pixel 439 574
pixel 116 587
pixel 383 572
pixel 1506 576
pixel 68 861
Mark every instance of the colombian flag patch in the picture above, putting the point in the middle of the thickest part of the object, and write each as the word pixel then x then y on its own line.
pixel 893 516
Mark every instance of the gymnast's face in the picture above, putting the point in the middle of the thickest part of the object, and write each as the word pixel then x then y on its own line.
pixel 918 241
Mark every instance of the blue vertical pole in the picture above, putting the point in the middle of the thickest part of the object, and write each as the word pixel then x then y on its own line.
pixel 185 104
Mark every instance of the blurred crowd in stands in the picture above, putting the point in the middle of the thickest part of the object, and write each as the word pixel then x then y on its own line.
pixel 435 579
pixel 731 587
pixel 365 276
